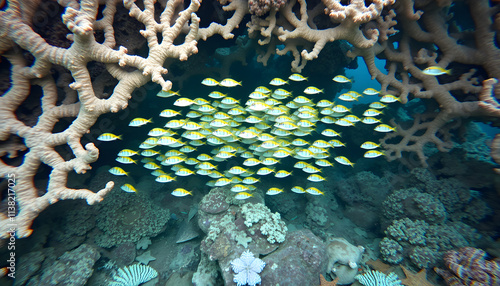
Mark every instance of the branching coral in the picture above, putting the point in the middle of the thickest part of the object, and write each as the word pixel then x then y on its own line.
pixel 427 38
pixel 80 18
pixel 299 29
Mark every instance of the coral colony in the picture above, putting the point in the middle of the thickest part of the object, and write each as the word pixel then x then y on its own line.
pixel 282 140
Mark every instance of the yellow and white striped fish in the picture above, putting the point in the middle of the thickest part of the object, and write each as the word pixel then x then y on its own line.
pixel 128 188
pixel 137 122
pixel 118 171
pixel 210 82
pixel 297 77
pixel 229 82
pixel 109 137
pixel 180 192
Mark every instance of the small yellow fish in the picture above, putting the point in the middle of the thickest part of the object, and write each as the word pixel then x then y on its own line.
pixel 373 154
pixel 155 132
pixel 151 166
pixel 164 179
pixel 389 98
pixel 127 153
pixel 149 153
pixel 274 191
pixel 435 70
pixel 264 171
pixel 109 137
pixel 183 101
pixel 222 182
pixel 282 174
pixel 169 113
pixel 229 82
pixel 347 97
pixel 352 118
pixel 370 120
pixel 313 90
pixel 136 122
pixel 278 82
pixel 128 188
pixel 125 160
pixel 243 196
pixel 371 91
pixel 216 94
pixel 180 192
pixel 330 133
pixel 210 82
pixel 340 109
pixel 324 163
pixel 314 191
pixel 344 122
pixel 368 145
pixel 263 89
pixel 167 93
pixel 250 180
pixel 341 79
pixel 298 190
pixel 297 77
pixel 377 105
pixel 239 188
pixel 372 112
pixel 315 178
pixel 344 161
pixel 384 128
pixel 184 172
pixel 118 171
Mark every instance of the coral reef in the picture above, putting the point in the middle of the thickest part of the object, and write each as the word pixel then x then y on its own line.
pixel 285 27
pixel 67 72
pixel 469 266
pixel 81 101
pixel 424 40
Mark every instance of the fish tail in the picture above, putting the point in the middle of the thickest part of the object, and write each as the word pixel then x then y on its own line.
pixel 119 137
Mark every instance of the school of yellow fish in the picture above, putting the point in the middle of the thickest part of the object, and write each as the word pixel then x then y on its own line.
pixel 266 128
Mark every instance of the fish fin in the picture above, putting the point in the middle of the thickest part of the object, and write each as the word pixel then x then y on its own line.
pixel 119 137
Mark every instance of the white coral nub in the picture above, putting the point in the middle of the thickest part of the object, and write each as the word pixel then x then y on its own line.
pixel 247 269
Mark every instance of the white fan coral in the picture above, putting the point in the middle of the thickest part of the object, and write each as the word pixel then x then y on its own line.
pixel 377 278
pixel 133 275
pixel 247 269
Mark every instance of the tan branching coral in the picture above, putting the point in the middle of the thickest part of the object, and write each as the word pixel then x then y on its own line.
pixel 425 40
pixel 79 17
pixel 294 30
